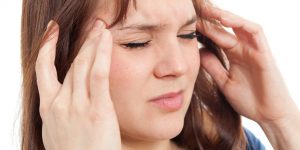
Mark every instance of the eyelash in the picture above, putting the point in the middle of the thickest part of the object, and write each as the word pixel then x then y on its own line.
pixel 189 36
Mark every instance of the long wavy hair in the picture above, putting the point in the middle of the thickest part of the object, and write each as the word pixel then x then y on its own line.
pixel 210 122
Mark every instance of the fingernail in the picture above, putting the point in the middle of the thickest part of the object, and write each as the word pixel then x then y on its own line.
pixel 99 25
pixel 49 24
pixel 51 29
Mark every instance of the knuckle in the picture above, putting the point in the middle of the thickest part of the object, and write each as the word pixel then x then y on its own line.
pixel 97 113
pixel 43 111
pixel 39 64
pixel 95 116
pixel 77 109
pixel 59 110
pixel 99 74
pixel 81 61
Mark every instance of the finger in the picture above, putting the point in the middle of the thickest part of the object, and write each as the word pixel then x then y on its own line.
pixel 214 67
pixel 247 31
pixel 46 74
pixel 84 60
pixel 66 88
pixel 99 80
pixel 210 12
pixel 64 96
pixel 220 36
pixel 244 29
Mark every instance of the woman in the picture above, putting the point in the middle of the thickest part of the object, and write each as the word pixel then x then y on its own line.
pixel 129 75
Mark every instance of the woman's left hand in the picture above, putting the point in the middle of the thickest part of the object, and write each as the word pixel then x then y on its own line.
pixel 253 84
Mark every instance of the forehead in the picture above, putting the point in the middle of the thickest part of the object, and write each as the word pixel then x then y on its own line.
pixel 162 9
pixel 165 12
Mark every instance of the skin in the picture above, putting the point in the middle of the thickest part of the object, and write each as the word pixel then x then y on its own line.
pixel 91 110
pixel 253 78
pixel 167 64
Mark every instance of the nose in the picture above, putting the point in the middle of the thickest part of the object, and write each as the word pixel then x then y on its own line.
pixel 172 62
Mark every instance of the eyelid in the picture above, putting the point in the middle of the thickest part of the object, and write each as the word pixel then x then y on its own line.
pixel 136 45
pixel 188 32
pixel 190 35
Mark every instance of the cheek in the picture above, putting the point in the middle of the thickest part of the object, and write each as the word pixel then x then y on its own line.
pixel 123 76
pixel 193 57
pixel 127 78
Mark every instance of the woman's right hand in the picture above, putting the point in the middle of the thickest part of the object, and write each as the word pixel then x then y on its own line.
pixel 78 114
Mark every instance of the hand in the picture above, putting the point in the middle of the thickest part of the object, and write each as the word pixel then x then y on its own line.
pixel 253 84
pixel 79 113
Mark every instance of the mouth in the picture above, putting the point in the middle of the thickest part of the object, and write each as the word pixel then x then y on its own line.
pixel 171 101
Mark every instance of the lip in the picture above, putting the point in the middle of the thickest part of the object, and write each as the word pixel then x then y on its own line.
pixel 171 101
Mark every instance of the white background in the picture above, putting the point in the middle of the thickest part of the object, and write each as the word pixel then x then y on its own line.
pixel 278 18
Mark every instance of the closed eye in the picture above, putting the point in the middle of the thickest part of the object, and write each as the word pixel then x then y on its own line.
pixel 188 36
pixel 136 44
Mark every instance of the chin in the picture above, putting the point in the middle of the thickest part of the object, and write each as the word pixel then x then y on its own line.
pixel 154 129
pixel 170 132
pixel 165 129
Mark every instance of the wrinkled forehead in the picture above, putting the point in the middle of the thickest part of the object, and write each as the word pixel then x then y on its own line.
pixel 161 11
pixel 164 12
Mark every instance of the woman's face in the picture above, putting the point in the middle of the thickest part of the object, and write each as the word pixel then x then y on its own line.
pixel 153 54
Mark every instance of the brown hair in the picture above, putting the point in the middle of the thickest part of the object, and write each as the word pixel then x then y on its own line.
pixel 210 122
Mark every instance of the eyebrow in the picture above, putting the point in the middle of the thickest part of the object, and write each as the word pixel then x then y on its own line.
pixel 155 26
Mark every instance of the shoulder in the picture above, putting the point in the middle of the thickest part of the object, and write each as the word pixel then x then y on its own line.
pixel 253 142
